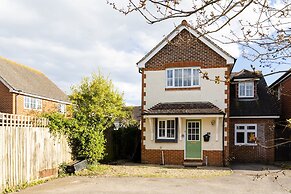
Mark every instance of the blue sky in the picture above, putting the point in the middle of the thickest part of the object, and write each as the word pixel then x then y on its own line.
pixel 68 40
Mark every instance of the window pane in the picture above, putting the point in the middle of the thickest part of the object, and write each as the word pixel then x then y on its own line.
pixel 170 128
pixel 170 133
pixel 251 137
pixel 242 89
pixel 251 127
pixel 189 131
pixel 240 127
pixel 161 124
pixel 249 88
pixel 240 137
pixel 189 137
pixel 169 77
pixel 178 77
pixel 33 103
pixel 195 77
pixel 162 130
pixel 162 133
pixel 187 77
pixel 62 108
pixel 39 104
pixel 27 102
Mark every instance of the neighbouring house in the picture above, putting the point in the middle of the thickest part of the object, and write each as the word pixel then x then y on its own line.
pixel 282 89
pixel 253 115
pixel 185 118
pixel 26 91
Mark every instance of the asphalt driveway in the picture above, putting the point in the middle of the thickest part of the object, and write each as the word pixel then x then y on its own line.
pixel 245 179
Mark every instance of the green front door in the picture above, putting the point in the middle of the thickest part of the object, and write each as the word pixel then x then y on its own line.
pixel 193 140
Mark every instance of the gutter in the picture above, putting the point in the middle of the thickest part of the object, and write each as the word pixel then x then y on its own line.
pixel 41 97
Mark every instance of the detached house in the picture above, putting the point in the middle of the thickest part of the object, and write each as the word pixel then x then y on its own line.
pixel 185 118
pixel 191 116
pixel 24 90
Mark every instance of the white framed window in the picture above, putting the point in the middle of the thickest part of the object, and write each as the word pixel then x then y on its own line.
pixel 166 129
pixel 182 77
pixel 245 89
pixel 32 103
pixel 62 108
pixel 245 134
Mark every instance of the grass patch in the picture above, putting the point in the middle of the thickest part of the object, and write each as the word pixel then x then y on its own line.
pixel 94 170
pixel 22 186
pixel 151 172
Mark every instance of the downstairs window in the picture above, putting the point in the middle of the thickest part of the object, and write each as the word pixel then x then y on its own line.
pixel 245 134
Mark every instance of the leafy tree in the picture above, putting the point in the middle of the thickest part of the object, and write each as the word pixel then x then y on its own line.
pixel 95 107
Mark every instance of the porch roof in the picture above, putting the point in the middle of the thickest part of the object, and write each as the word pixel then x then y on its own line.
pixel 184 108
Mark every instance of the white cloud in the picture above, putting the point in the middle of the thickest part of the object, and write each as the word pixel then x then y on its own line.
pixel 68 40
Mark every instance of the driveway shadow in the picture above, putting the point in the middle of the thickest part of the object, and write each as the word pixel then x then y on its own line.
pixel 253 167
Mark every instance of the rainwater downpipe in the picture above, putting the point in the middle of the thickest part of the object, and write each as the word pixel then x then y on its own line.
pixel 162 156
pixel 223 155
pixel 16 95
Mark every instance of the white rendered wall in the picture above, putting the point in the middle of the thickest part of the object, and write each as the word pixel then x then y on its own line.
pixel 215 142
pixel 209 91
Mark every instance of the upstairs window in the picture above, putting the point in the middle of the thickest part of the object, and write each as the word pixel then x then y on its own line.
pixel 182 77
pixel 246 89
pixel 62 108
pixel 32 103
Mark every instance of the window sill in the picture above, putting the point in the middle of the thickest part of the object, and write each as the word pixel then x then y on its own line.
pixel 244 144
pixel 166 141
pixel 189 88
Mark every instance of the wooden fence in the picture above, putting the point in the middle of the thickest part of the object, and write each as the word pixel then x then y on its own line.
pixel 28 151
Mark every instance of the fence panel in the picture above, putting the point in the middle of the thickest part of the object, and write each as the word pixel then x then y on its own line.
pixel 28 151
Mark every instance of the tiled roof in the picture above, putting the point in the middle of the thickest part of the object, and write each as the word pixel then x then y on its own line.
pixel 175 108
pixel 136 113
pixel 243 74
pixel 265 104
pixel 166 39
pixel 21 78
pixel 285 76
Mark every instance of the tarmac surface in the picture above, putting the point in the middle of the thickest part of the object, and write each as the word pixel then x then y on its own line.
pixel 247 178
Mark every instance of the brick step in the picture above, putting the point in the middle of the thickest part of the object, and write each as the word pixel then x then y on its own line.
pixel 193 163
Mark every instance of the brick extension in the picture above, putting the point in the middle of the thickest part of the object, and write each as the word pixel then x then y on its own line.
pixel 265 133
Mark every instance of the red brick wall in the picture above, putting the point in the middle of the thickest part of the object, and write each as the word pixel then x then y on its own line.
pixel 175 157
pixel 265 135
pixel 286 98
pixel 214 158
pixel 6 99
pixel 47 106
pixel 180 49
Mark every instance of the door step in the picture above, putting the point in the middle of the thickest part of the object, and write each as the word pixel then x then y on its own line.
pixel 193 163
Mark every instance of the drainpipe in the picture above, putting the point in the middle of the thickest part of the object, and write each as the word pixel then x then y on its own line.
pixel 223 155
pixel 162 156
pixel 17 92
